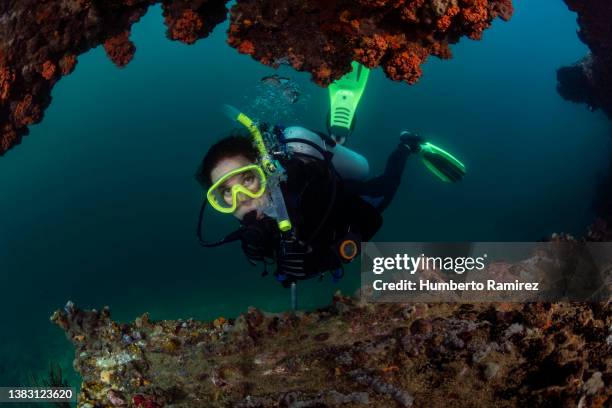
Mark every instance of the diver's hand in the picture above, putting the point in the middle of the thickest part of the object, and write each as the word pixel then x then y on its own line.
pixel 255 239
pixel 412 141
pixel 253 251
pixel 291 258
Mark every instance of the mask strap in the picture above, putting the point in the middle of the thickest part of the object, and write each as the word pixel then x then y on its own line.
pixel 231 237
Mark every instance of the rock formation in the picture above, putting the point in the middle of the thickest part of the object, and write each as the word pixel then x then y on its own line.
pixel 350 354
pixel 41 40
pixel 590 80
pixel 397 35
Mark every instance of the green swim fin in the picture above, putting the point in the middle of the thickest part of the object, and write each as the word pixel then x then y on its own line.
pixel 441 163
pixel 344 96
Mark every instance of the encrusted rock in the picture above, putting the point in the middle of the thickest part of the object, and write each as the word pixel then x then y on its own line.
pixel 40 40
pixel 444 355
pixel 590 79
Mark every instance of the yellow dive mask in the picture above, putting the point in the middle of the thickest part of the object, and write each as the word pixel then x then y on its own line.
pixel 247 181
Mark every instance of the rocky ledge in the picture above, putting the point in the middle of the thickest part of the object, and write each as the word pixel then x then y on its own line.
pixel 350 354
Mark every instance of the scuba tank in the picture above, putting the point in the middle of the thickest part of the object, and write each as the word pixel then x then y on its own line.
pixel 349 164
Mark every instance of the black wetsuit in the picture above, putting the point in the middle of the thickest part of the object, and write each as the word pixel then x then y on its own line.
pixel 379 191
pixel 355 211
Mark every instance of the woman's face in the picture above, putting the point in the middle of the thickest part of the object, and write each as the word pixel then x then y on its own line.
pixel 245 204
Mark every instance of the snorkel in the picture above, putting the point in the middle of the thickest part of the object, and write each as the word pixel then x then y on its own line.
pixel 274 171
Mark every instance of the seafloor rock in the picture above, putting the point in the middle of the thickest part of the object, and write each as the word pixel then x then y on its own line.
pixel 40 42
pixel 323 37
pixel 350 354
pixel 590 80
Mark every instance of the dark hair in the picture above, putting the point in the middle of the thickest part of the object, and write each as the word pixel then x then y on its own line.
pixel 239 143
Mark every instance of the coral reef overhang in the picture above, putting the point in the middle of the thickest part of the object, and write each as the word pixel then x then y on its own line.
pixel 41 40
pixel 324 37
pixel 590 80
pixel 350 354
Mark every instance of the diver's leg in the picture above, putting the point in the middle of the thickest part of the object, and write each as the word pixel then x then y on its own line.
pixel 380 190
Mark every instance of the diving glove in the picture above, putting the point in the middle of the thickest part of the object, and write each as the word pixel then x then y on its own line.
pixel 257 237
pixel 253 251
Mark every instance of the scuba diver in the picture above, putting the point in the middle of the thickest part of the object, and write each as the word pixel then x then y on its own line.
pixel 303 199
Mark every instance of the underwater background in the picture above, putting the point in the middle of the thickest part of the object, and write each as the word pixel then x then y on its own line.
pixel 99 205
